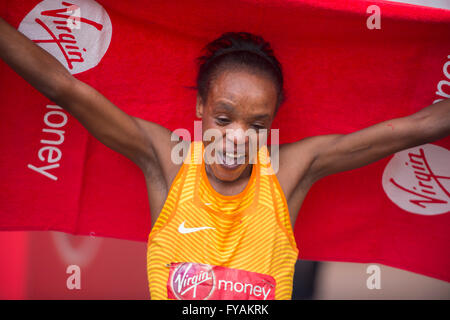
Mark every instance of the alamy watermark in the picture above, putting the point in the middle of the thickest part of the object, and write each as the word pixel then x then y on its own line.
pixel 235 147
pixel 74 280
pixel 74 21
pixel 374 20
pixel 374 280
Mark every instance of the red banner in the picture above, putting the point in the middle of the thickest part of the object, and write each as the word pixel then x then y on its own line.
pixel 343 72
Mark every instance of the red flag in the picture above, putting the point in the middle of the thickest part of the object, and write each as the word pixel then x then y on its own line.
pixel 347 66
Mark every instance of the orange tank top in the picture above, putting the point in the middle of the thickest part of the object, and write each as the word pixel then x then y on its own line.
pixel 205 245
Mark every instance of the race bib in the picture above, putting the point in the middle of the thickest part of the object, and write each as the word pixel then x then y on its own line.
pixel 195 281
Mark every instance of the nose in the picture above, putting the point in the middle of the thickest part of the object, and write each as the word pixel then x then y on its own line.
pixel 236 138
pixel 237 135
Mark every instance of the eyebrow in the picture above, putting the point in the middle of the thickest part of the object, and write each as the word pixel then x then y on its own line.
pixel 226 106
pixel 231 109
pixel 261 116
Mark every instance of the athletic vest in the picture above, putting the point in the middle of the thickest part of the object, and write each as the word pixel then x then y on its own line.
pixel 205 245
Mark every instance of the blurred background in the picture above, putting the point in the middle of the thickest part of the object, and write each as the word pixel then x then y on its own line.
pixel 34 265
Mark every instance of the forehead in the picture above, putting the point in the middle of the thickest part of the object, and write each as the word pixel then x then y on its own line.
pixel 244 90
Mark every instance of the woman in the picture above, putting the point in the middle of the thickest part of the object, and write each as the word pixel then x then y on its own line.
pixel 222 229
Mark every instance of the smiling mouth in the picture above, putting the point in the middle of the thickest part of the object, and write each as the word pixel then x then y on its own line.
pixel 230 160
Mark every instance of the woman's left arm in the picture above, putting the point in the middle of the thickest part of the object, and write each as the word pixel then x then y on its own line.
pixel 342 152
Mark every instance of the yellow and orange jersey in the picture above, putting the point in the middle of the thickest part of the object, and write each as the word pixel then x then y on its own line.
pixel 205 245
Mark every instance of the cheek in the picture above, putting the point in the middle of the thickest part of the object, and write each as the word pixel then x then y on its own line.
pixel 208 123
pixel 211 132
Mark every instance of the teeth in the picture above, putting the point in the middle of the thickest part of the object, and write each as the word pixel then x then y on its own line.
pixel 231 159
pixel 231 155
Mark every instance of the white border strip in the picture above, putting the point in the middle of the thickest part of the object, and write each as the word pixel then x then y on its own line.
pixel 442 4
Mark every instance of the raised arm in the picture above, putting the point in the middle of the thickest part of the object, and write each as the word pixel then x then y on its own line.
pixel 141 141
pixel 342 152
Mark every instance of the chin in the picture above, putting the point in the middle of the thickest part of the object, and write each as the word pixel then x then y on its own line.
pixel 227 174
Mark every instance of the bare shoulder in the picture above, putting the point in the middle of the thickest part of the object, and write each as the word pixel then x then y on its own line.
pixel 294 160
pixel 296 169
pixel 169 152
pixel 163 165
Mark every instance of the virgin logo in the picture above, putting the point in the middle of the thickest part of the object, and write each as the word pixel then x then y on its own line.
pixel 77 33
pixel 418 180
pixel 195 281
pixel 192 281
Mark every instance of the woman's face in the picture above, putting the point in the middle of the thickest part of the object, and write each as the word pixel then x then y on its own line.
pixel 237 101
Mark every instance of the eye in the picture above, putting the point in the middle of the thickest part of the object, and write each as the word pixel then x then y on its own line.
pixel 222 121
pixel 258 126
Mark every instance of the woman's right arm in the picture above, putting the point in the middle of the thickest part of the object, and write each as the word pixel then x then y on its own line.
pixel 137 139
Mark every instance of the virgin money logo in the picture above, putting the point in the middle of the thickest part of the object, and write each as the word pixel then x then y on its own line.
pixel 418 180
pixel 195 281
pixel 77 33
pixel 192 281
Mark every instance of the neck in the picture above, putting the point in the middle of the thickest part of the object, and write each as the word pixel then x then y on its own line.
pixel 229 186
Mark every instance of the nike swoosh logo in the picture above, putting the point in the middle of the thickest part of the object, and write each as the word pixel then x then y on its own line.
pixel 184 230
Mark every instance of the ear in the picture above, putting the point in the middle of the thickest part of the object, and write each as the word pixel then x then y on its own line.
pixel 199 107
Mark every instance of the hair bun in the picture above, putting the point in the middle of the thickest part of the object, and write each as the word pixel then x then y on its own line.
pixel 234 48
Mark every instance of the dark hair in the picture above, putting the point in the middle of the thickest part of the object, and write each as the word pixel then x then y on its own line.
pixel 238 49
